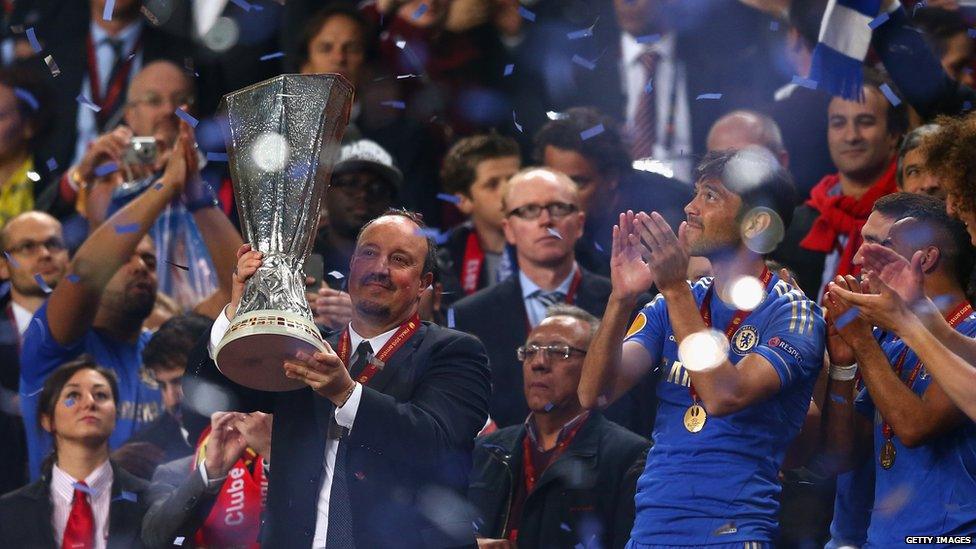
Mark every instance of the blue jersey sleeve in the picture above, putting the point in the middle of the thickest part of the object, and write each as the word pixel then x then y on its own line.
pixel 650 328
pixel 40 354
pixel 863 403
pixel 793 341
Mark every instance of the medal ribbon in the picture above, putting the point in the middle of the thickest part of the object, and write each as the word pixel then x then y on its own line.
pixel 474 258
pixel 737 318
pixel 118 79
pixel 403 333
pixel 955 317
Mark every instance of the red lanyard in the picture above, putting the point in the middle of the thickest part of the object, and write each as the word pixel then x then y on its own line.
pixel 528 468
pixel 955 317
pixel 737 318
pixel 403 333
pixel 474 258
pixel 118 79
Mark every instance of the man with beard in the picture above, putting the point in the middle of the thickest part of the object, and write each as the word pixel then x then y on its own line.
pixel 364 185
pixel 99 309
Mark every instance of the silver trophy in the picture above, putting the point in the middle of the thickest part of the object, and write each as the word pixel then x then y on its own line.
pixel 282 140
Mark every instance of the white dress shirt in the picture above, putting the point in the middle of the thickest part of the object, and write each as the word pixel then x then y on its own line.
pixel 22 317
pixel 63 492
pixel 669 72
pixel 535 310
pixel 105 60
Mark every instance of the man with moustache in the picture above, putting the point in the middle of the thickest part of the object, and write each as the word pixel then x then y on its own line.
pixel 376 453
pixel 99 308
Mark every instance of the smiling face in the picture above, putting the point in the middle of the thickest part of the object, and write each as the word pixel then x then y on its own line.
pixel 386 273
pixel 858 136
pixel 555 380
pixel 85 410
pixel 533 238
pixel 712 215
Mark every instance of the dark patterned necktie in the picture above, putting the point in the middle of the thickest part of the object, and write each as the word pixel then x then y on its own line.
pixel 644 128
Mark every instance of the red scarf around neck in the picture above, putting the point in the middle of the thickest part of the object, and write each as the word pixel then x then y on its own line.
pixel 843 215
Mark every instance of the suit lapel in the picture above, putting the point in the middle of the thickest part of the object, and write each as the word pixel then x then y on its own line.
pixel 124 518
pixel 400 359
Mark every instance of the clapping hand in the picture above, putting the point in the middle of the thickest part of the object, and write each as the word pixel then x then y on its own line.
pixel 629 272
pixel 666 253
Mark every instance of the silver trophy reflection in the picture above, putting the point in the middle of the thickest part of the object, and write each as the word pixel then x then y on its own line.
pixel 282 140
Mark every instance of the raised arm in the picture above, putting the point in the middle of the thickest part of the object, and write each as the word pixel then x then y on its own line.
pixel 611 369
pixel 221 238
pixel 72 306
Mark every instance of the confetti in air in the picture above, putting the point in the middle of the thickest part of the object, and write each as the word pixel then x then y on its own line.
pixel 243 4
pixel 419 12
pixel 336 275
pixel 878 21
pixel 27 97
pixel 187 117
pixel 555 233
pixel 804 82
pixel 846 318
pixel 51 164
pixel 52 66
pixel 394 104
pixel 83 488
pixel 515 121
pixel 526 14
pixel 274 55
pixel 592 132
pixel 509 69
pixel 87 102
pixel 712 96
pixel 582 33
pixel 11 260
pixel 40 282
pixel 73 278
pixel 584 62
pixel 890 95
pixel 107 11
pixel 448 198
pixel 217 157
pixel 32 38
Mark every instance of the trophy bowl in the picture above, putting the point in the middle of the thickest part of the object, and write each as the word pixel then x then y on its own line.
pixel 282 139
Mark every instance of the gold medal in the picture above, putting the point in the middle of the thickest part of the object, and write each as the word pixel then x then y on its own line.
pixel 887 457
pixel 695 418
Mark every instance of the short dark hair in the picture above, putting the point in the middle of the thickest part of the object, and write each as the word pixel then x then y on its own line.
pixel 939 26
pixel 170 346
pixel 430 260
pixel 605 150
pixel 897 115
pixel 34 100
pixel 321 17
pixel 772 187
pixel 912 141
pixel 459 169
pixel 950 235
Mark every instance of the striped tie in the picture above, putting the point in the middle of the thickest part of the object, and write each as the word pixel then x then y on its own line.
pixel 644 126
pixel 548 299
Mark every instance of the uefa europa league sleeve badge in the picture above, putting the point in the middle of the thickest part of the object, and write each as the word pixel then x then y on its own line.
pixel 282 139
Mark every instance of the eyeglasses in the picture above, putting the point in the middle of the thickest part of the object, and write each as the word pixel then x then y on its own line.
pixel 31 248
pixel 533 211
pixel 556 350
pixel 155 100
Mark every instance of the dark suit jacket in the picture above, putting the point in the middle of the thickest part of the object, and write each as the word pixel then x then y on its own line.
pixel 497 316
pixel 179 503
pixel 409 451
pixel 25 515
pixel 807 264
pixel 594 480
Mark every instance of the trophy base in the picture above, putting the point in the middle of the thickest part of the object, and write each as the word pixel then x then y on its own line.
pixel 257 343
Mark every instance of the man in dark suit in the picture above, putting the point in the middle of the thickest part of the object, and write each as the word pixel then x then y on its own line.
pixel 85 45
pixel 608 184
pixel 524 473
pixel 377 455
pixel 543 222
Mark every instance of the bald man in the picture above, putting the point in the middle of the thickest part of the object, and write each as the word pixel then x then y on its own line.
pixel 742 128
pixel 542 221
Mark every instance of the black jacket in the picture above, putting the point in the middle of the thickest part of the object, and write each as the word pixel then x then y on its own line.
pixel 497 316
pixel 409 451
pixel 808 265
pixel 25 515
pixel 596 478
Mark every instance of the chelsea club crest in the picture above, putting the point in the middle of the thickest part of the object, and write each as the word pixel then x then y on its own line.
pixel 745 339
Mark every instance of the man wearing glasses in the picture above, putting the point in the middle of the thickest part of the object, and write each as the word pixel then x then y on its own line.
pixel 579 468
pixel 34 260
pixel 543 221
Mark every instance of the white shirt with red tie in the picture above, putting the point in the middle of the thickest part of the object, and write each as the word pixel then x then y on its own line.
pixel 62 492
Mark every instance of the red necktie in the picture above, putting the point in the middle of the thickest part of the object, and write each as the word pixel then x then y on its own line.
pixel 644 128
pixel 79 533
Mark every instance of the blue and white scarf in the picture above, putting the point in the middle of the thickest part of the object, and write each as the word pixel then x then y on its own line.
pixel 845 34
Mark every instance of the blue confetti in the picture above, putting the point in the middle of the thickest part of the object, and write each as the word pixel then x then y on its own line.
pixel 123 228
pixel 257 7
pixel 107 11
pixel 448 198
pixel 40 282
pixel 549 406
pixel 648 38
pixel 187 117
pixel 243 4
pixel 804 82
pixel 774 26
pixel 73 278
pixel 878 21
pixel 515 120
pixel 52 164
pixel 87 102
pixel 890 95
pixel 846 318
pixel 649 87
pixel 972 33
pixel 592 132
pixel 10 259
pixel 708 96
pixel 966 105
pixel 336 275
pixel 84 488
pixel 450 317
pixel 419 12
pixel 582 33
pixel 126 496
pixel 394 104
pixel 837 398
pixel 584 62
pixel 554 233
pixel 509 69
pixel 565 527
pixel 157 186
pixel 106 168
pixel 32 38
pixel 526 14
pixel 598 247
pixel 69 402
pixel 274 55
pixel 27 97
pixel 217 156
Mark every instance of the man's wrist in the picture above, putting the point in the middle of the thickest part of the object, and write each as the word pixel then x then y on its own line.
pixel 343 397
pixel 838 372
pixel 625 300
